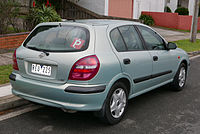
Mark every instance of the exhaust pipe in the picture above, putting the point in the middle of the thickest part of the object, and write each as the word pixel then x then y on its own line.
pixel 68 111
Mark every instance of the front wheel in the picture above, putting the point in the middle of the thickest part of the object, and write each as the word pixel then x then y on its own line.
pixel 180 78
pixel 115 104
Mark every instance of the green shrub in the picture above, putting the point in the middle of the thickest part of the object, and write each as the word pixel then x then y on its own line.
pixel 167 9
pixel 147 19
pixel 41 14
pixel 9 15
pixel 182 11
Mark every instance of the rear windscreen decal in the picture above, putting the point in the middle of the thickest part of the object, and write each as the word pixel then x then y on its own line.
pixel 77 43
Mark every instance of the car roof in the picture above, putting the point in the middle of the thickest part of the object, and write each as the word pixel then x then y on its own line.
pixel 104 21
pixel 94 22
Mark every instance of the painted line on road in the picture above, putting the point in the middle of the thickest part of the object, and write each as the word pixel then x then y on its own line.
pixel 194 57
pixel 19 112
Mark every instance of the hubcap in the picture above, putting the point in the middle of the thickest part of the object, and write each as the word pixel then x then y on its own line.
pixel 182 76
pixel 118 103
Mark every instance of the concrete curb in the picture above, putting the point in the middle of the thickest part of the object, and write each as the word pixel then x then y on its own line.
pixel 195 53
pixel 11 101
pixel 2 85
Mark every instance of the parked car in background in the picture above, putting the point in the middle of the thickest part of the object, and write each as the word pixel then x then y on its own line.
pixel 95 65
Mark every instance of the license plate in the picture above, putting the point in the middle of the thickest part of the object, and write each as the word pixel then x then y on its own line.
pixel 41 69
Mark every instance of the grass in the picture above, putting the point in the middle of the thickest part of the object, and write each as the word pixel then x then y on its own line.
pixel 5 71
pixel 188 46
pixel 12 30
pixel 11 50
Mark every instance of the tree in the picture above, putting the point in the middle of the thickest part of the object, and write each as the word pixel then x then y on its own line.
pixel 9 14
pixel 193 32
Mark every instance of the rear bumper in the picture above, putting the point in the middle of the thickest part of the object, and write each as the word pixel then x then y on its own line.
pixel 67 96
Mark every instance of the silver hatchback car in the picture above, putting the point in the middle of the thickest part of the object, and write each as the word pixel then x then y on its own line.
pixel 95 65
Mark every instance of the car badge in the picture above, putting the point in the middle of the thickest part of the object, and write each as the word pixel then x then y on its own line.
pixel 42 55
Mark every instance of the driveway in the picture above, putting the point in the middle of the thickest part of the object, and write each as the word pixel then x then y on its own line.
pixel 171 35
pixel 6 58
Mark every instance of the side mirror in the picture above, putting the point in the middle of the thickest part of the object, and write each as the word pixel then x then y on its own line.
pixel 171 45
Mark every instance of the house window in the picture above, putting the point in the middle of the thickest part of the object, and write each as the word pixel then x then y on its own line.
pixel 183 3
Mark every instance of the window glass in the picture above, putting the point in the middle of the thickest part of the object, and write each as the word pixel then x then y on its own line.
pixel 55 38
pixel 152 40
pixel 117 40
pixel 131 38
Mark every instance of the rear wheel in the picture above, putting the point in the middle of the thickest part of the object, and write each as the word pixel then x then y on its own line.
pixel 115 104
pixel 180 78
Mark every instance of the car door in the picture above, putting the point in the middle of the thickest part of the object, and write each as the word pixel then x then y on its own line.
pixel 135 61
pixel 164 60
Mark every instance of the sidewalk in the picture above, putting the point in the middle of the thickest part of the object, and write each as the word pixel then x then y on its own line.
pixel 6 58
pixel 171 35
pixel 5 90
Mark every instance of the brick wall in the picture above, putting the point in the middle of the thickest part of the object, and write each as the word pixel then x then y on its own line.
pixel 172 20
pixel 12 40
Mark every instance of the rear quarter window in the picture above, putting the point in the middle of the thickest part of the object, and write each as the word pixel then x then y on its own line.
pixel 58 38
pixel 117 40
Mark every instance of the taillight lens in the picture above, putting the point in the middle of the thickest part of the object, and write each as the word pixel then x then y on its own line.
pixel 15 66
pixel 85 68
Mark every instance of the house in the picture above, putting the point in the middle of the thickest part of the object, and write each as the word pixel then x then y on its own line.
pixel 174 4
pixel 123 8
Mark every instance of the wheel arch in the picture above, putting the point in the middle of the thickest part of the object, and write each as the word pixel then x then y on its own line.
pixel 185 62
pixel 123 78
pixel 126 83
pixel 182 61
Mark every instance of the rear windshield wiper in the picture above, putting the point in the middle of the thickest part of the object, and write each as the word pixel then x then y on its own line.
pixel 34 48
pixel 37 49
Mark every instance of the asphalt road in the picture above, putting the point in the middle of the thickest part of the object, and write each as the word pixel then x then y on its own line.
pixel 161 111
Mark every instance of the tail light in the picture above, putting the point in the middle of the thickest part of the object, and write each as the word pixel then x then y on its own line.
pixel 15 66
pixel 85 68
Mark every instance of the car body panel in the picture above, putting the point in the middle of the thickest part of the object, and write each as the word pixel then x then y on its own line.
pixel 140 66
pixel 166 63
pixel 54 95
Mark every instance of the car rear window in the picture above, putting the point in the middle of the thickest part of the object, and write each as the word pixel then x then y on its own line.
pixel 58 39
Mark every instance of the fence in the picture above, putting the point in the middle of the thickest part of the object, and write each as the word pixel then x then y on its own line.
pixel 9 41
pixel 172 20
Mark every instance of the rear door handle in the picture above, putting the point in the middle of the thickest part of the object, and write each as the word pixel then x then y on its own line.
pixel 155 58
pixel 127 61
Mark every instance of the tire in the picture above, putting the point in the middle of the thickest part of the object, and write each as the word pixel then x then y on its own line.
pixel 180 78
pixel 115 105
